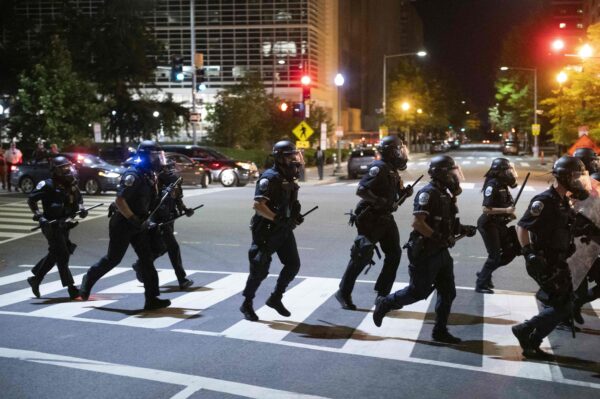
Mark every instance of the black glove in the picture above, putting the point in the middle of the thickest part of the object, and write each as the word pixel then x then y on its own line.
pixel 43 221
pixel 148 225
pixel 536 264
pixel 83 213
pixel 37 216
pixel 188 211
pixel 467 230
pixel 299 220
pixel 408 191
pixel 285 222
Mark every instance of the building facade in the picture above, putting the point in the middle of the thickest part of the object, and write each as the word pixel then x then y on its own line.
pixel 591 12
pixel 568 21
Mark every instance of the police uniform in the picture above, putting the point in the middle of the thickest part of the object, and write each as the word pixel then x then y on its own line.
pixel 431 266
pixel 138 188
pixel 163 237
pixel 548 220
pixel 493 228
pixel 59 202
pixel 376 225
pixel 269 237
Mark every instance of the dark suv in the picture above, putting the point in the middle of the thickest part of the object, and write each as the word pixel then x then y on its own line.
pixel 224 169
pixel 359 161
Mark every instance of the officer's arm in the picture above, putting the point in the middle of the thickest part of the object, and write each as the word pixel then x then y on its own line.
pixel 124 208
pixel 498 211
pixel 523 236
pixel 421 226
pixel 368 195
pixel 261 208
pixel 33 199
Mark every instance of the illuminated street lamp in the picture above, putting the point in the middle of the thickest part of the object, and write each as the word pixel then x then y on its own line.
pixel 558 45
pixel 586 51
pixel 562 77
pixel 405 106
pixel 421 53
pixel 155 114
pixel 419 111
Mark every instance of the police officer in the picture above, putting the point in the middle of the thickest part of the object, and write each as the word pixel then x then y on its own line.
pixel 435 229
pixel 547 239
pixel 163 237
pixel 498 210
pixel 590 160
pixel 136 196
pixel 277 215
pixel 381 192
pixel 61 201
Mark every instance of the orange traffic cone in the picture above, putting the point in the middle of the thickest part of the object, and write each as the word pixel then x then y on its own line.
pixel 542 162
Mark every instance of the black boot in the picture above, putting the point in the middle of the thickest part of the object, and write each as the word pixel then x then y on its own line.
pixel 529 344
pixel 248 310
pixel 381 309
pixel 445 337
pixel 156 303
pixel 345 300
pixel 35 285
pixel 484 289
pixel 274 302
pixel 84 290
pixel 185 283
pixel 73 292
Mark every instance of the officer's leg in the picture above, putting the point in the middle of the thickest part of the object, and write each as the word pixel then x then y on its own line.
pixel 390 245
pixel 422 276
pixel 260 260
pixel 361 254
pixel 120 233
pixel 287 251
pixel 141 246
pixel 45 264
pixel 446 292
pixel 491 238
pixel 168 235
pixel 60 248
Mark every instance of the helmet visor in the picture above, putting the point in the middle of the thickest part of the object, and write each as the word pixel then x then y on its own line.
pixel 457 173
pixel 580 181
pixel 294 158
pixel 158 159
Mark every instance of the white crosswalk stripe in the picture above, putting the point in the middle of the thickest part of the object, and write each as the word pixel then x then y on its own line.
pixel 399 338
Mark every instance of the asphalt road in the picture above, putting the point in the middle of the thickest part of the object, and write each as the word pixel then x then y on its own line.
pixel 202 348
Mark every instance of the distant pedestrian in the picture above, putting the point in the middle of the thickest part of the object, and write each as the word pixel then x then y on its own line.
pixel 2 168
pixel 12 157
pixel 53 150
pixel 40 153
pixel 320 157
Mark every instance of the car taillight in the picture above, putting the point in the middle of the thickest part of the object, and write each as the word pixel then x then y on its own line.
pixel 14 168
pixel 215 165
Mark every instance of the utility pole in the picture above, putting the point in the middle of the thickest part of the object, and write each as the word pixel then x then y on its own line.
pixel 192 57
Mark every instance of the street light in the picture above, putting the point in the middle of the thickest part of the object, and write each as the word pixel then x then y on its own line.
pixel 558 45
pixel 155 114
pixel 586 51
pixel 536 147
pixel 405 106
pixel 562 77
pixel 339 82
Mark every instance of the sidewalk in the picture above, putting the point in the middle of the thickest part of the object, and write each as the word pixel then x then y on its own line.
pixel 312 176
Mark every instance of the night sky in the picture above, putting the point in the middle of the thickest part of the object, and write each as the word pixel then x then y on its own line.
pixel 464 38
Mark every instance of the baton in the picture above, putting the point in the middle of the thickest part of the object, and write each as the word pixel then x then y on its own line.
pixel 164 197
pixel 405 196
pixel 177 217
pixel 56 220
pixel 312 210
pixel 521 189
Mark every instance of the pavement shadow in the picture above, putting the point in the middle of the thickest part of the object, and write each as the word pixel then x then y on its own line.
pixel 455 319
pixel 173 312
pixel 170 289
pixel 53 301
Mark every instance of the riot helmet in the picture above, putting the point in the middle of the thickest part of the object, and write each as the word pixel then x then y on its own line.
pixel 287 159
pixel 150 156
pixel 571 174
pixel 503 170
pixel 393 151
pixel 446 172
pixel 63 170
pixel 589 158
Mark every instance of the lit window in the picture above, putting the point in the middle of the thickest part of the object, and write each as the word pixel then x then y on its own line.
pixel 239 71
pixel 579 26
pixel 284 48
pixel 212 70
pixel 562 25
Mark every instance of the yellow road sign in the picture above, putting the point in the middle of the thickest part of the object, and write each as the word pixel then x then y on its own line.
pixel 302 144
pixel 535 129
pixel 303 131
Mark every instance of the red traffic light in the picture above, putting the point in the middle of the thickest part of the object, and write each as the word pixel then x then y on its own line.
pixel 305 80
pixel 283 107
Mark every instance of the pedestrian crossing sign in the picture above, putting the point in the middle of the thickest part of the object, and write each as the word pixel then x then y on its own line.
pixel 303 131
pixel 535 129
pixel 302 144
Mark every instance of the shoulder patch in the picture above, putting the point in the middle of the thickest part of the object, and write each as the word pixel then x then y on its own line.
pixel 263 184
pixel 423 198
pixel 536 208
pixel 374 171
pixel 488 191
pixel 40 185
pixel 129 180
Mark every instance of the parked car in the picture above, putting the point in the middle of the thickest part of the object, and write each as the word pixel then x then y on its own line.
pixel 510 147
pixel 437 146
pixel 93 173
pixel 359 161
pixel 116 155
pixel 223 169
pixel 192 172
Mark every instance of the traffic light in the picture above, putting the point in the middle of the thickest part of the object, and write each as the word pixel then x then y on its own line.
pixel 305 87
pixel 177 69
pixel 200 79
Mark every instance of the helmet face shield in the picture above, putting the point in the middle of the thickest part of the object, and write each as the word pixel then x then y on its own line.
pixel 157 160
pixel 293 161
pixel 67 173
pixel 511 176
pixel 455 176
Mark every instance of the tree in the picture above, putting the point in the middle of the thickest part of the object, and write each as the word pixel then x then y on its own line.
pixel 577 102
pixel 514 101
pixel 240 115
pixel 53 102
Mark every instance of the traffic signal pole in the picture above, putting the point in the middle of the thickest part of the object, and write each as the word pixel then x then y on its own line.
pixel 192 57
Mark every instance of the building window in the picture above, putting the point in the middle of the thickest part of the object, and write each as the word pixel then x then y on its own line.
pixel 212 71
pixel 239 71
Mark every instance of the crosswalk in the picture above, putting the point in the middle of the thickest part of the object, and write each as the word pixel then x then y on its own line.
pixel 470 160
pixel 317 322
pixel 464 185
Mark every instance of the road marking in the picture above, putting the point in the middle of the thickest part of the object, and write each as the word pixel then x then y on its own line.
pixel 227 245
pixel 191 304
pixel 422 163
pixel 397 335
pixel 353 184
pixel 17 277
pixel 466 162
pixel 25 293
pixel 18 220
pixel 206 191
pixel 525 164
pixel 192 383
pixel 165 276
pixel 483 158
pixel 336 184
pixel 306 297
pixel 467 186
pixel 11 235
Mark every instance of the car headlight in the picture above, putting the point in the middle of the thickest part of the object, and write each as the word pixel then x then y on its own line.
pixel 109 175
